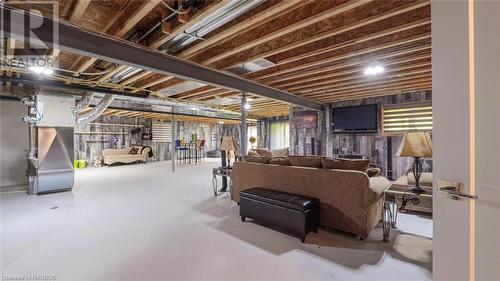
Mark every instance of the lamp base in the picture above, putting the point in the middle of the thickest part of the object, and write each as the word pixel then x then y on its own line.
pixel 416 189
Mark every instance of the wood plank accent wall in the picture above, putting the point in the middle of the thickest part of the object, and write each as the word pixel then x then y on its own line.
pixel 373 146
pixel 87 146
pixel 311 141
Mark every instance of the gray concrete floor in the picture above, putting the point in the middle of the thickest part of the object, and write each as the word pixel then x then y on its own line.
pixel 143 222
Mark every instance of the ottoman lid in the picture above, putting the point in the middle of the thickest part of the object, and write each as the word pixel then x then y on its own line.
pixel 280 198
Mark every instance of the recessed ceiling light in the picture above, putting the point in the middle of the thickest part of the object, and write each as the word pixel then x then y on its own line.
pixel 247 106
pixel 374 70
pixel 41 70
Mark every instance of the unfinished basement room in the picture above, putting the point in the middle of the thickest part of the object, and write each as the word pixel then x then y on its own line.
pixel 250 140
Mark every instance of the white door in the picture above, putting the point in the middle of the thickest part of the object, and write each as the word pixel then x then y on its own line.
pixel 466 138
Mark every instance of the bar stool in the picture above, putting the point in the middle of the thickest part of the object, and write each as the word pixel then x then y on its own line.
pixel 181 150
pixel 200 148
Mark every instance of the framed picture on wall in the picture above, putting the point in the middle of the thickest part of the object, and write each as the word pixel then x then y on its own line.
pixel 305 120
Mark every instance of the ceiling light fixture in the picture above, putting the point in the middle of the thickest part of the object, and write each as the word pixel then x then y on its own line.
pixel 247 106
pixel 374 70
pixel 221 122
pixel 41 70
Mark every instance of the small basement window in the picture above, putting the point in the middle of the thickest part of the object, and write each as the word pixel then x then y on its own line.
pixel 162 132
pixel 400 118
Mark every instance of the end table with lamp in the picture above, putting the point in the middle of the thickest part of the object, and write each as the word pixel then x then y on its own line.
pixel 227 146
pixel 417 145
pixel 398 197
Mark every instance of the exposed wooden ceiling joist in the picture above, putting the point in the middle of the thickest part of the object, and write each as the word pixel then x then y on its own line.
pixel 80 7
pixel 161 37
pixel 322 59
pixel 112 50
pixel 291 28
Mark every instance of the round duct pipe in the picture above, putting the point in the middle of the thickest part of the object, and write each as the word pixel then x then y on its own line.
pixel 96 111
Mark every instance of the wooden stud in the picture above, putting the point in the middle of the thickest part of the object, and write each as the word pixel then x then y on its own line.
pixel 291 28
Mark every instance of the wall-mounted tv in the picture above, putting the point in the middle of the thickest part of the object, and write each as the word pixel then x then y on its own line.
pixel 355 119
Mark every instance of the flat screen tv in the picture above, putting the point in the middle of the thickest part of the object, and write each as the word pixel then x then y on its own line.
pixel 355 119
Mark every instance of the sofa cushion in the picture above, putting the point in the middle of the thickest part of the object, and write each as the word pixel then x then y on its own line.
pixel 264 152
pixel 283 161
pixel 305 161
pixel 373 172
pixel 253 153
pixel 282 152
pixel 346 164
pixel 257 159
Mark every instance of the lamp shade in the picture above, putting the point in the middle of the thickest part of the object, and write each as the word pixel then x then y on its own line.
pixel 228 144
pixel 415 144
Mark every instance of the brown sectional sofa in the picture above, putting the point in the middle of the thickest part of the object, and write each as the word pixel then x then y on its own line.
pixel 349 200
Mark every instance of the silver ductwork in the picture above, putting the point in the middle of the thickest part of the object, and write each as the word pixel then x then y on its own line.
pixel 96 111
pixel 228 12
pixel 84 102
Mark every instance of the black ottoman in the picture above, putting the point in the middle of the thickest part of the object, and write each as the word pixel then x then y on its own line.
pixel 293 214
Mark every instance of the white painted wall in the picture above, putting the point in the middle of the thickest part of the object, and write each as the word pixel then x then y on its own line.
pixel 13 143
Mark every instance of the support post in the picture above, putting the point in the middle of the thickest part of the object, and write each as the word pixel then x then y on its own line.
pixel 243 133
pixel 327 131
pixel 174 137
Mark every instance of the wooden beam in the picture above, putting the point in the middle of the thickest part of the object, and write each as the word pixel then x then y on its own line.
pixel 134 78
pixel 407 52
pixel 196 91
pixel 388 91
pixel 142 87
pixel 219 93
pixel 367 85
pixel 112 73
pixel 139 14
pixel 349 42
pixel 291 28
pixel 284 69
pixel 161 37
pixel 260 18
pixel 361 77
pixel 351 68
pixel 80 7
pixel 371 88
pixel 144 9
pixel 357 24
pixel 371 29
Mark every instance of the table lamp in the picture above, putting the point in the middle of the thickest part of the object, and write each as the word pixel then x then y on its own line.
pixel 416 145
pixel 228 144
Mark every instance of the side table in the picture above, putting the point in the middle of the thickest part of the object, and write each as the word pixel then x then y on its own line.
pixel 221 172
pixel 398 197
